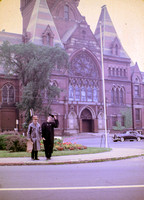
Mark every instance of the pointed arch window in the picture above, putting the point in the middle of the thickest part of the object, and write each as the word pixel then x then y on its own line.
pixel 66 12
pixel 113 95
pixel 117 96
pixel 95 94
pixel 11 94
pixel 83 94
pixel 47 37
pixel 8 94
pixel 117 72
pixel 116 50
pixel 71 93
pixel 77 93
pixel 121 96
pixel 137 87
pixel 89 94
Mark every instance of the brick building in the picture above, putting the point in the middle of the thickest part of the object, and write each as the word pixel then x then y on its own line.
pixel 80 105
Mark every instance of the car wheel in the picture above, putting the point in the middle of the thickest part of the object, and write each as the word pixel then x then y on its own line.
pixel 138 139
pixel 122 139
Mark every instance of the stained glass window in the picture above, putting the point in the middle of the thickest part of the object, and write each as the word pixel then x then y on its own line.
pixel 89 94
pixel 71 93
pixel 83 94
pixel 95 94
pixel 77 93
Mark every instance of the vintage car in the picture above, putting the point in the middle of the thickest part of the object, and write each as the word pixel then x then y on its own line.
pixel 128 135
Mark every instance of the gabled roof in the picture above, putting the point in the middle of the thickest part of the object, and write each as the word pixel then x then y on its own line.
pixel 39 21
pixel 69 33
pixel 135 71
pixel 109 35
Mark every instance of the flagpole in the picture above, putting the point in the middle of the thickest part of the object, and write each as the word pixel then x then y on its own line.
pixel 103 83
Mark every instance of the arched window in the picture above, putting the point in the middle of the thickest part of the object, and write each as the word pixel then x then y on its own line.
pixel 113 95
pixel 121 96
pixel 83 34
pixel 71 93
pixel 4 94
pixel 117 96
pixel 77 93
pixel 113 71
pixel 109 71
pixel 117 72
pixel 95 95
pixel 11 94
pixel 121 74
pixel 116 49
pixel 83 94
pixel 66 12
pixel 48 39
pixel 47 36
pixel 8 94
pixel 89 94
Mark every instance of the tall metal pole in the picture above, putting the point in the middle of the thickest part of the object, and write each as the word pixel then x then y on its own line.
pixel 103 81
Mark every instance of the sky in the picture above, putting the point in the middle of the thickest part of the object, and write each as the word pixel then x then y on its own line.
pixel 127 17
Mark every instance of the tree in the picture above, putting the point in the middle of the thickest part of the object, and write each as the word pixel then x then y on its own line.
pixel 33 65
pixel 127 113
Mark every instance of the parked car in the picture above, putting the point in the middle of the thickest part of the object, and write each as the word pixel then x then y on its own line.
pixel 128 135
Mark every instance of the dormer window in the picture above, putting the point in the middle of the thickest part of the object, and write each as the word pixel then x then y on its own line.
pixel 137 87
pixel 83 34
pixel 47 37
pixel 116 50
pixel 66 12
pixel 116 47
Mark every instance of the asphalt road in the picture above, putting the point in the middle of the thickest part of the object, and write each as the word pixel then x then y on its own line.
pixel 100 142
pixel 114 180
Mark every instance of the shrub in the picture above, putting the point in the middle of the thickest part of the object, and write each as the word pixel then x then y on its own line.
pixel 10 133
pixel 15 143
pixel 3 142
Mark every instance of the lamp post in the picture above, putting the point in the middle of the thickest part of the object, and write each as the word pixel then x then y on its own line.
pixel 103 83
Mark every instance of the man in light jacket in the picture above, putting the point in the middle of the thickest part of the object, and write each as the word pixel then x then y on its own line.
pixel 34 134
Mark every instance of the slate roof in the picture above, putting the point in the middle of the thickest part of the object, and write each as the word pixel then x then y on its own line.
pixel 108 33
pixel 39 20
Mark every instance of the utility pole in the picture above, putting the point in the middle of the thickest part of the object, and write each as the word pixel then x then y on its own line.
pixel 103 82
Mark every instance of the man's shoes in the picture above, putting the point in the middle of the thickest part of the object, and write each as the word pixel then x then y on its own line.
pixel 48 158
pixel 36 159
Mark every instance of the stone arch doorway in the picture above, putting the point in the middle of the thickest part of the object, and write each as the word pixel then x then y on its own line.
pixel 86 120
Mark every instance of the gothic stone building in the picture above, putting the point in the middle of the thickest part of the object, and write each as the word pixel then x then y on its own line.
pixel 80 106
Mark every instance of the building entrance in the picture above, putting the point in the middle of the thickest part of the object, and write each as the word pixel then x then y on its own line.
pixel 87 122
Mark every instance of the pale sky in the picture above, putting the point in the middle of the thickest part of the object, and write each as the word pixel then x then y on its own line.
pixel 127 17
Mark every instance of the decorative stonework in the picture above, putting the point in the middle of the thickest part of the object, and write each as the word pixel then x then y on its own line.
pixel 83 65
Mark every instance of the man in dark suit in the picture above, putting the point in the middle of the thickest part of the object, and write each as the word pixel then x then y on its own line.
pixel 48 134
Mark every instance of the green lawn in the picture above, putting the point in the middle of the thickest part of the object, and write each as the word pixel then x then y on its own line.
pixel 89 150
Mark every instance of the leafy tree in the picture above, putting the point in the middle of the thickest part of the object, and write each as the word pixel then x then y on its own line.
pixel 127 113
pixel 118 126
pixel 33 65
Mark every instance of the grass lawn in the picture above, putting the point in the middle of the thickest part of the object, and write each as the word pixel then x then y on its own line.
pixel 89 150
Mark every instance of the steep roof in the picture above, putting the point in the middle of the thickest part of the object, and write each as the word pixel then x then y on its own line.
pixel 110 37
pixel 40 19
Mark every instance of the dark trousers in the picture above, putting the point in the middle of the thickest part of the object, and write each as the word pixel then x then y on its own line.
pixel 34 154
pixel 48 148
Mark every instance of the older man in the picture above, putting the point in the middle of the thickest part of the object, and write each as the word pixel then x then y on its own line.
pixel 48 134
pixel 34 134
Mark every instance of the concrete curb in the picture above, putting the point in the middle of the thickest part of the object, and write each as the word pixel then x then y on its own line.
pixel 115 154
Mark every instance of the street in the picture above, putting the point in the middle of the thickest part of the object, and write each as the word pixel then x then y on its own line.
pixel 94 141
pixel 113 180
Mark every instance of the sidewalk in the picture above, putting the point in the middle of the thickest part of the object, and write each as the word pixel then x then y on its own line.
pixel 114 154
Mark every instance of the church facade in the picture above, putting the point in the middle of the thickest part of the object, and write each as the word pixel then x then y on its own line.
pixel 80 106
